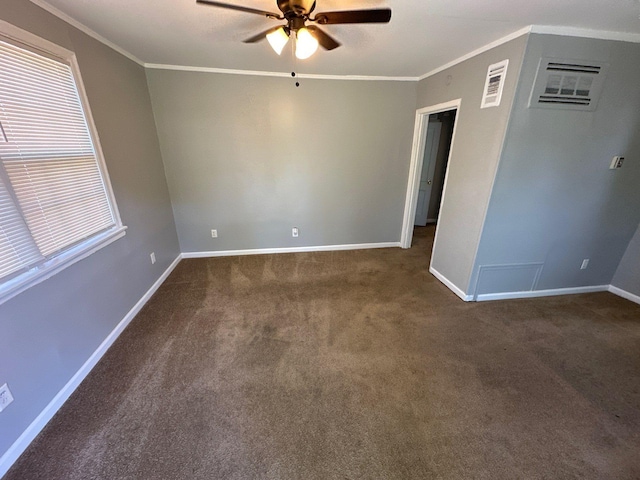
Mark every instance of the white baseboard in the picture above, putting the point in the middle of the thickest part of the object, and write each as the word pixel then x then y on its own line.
pixel 265 251
pixel 541 293
pixel 450 285
pixel 624 294
pixel 534 293
pixel 23 441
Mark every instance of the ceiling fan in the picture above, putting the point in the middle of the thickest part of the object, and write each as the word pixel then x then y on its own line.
pixel 296 13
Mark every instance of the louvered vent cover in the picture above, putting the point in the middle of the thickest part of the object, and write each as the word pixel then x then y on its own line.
pixel 568 84
pixel 494 84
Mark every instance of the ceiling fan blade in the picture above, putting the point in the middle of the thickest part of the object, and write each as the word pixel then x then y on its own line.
pixel 327 42
pixel 261 36
pixel 239 8
pixel 381 15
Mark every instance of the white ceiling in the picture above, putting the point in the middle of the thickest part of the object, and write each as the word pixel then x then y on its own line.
pixel 422 35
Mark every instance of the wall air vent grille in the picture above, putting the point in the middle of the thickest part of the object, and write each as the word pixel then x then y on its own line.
pixel 568 84
pixel 494 84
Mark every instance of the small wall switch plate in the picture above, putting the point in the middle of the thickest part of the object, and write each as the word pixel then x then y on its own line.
pixel 214 233
pixel 153 257
pixel 585 264
pixel 294 232
pixel 5 397
pixel 616 162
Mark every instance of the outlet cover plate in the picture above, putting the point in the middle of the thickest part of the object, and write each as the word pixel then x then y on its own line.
pixel 5 397
pixel 616 162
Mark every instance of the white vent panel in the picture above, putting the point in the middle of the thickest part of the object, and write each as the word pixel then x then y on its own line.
pixel 568 84
pixel 494 84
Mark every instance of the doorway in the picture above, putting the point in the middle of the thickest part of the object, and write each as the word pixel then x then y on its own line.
pixel 434 134
pixel 434 166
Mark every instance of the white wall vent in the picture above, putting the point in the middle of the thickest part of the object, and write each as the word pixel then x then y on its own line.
pixel 568 84
pixel 493 85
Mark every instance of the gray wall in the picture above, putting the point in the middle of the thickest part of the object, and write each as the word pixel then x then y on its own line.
pixel 555 201
pixel 627 275
pixel 474 154
pixel 255 156
pixel 50 330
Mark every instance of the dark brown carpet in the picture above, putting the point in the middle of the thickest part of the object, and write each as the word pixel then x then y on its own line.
pixel 352 365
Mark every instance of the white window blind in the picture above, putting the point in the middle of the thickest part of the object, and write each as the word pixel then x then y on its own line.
pixel 52 191
pixel 17 249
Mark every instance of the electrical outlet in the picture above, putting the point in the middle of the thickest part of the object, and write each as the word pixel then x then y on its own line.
pixel 153 257
pixel 5 397
pixel 214 233
pixel 294 232
pixel 616 162
pixel 585 264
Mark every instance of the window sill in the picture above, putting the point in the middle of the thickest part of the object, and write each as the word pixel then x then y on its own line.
pixel 39 274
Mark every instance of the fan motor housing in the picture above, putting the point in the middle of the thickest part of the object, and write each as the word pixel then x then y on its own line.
pixel 298 7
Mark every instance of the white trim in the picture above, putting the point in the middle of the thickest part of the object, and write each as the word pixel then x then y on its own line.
pixel 534 293
pixel 624 294
pixel 83 28
pixel 413 182
pixel 478 51
pixel 19 284
pixel 17 34
pixel 415 166
pixel 267 251
pixel 259 73
pixel 541 293
pixel 448 283
pixel 20 445
pixel 586 33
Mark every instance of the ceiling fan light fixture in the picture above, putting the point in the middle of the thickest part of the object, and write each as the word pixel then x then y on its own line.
pixel 278 39
pixel 306 43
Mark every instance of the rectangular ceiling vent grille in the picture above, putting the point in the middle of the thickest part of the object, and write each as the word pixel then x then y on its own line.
pixel 568 84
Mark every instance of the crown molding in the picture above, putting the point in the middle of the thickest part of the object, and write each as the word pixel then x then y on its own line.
pixel 259 73
pixel 543 30
pixel 586 33
pixel 83 28
pixel 478 51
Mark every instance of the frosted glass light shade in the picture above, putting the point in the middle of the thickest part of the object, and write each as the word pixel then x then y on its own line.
pixel 278 39
pixel 306 44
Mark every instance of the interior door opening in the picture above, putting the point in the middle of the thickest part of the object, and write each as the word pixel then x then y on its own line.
pixel 434 166
pixel 433 141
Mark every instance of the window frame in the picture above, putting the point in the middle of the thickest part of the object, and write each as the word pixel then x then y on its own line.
pixel 13 286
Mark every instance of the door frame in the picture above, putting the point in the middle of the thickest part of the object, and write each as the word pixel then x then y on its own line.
pixel 415 167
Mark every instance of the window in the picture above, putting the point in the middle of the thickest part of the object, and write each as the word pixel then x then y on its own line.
pixel 56 205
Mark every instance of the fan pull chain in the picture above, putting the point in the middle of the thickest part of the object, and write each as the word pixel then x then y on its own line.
pixel 293 56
